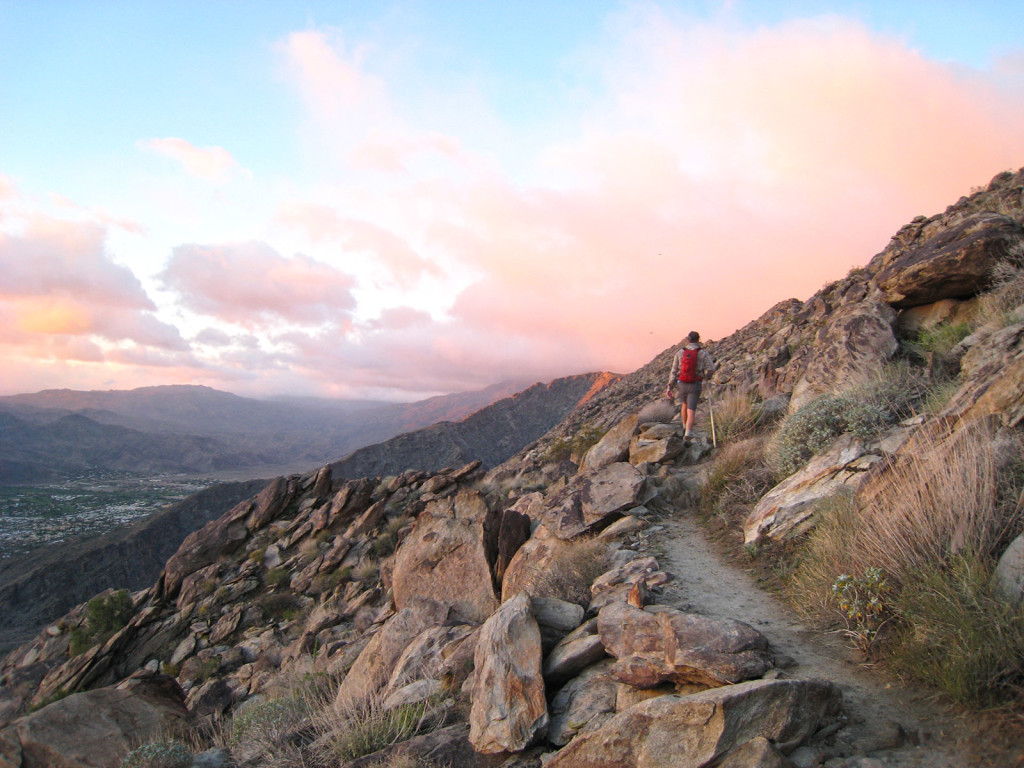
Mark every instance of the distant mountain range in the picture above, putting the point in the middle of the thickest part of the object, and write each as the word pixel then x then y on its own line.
pixel 193 429
pixel 37 587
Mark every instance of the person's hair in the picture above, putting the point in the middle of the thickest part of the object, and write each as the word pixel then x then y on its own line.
pixel 694 336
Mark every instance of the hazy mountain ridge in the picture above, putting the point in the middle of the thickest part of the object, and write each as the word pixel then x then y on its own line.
pixel 196 429
pixel 491 435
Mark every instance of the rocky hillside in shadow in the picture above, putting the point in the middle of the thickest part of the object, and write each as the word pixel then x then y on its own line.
pixel 41 586
pixel 491 435
pixel 193 429
pixel 513 618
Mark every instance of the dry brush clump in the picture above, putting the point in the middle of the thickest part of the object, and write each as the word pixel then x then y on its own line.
pixel 933 525
pixel 735 480
pixel 571 570
pixel 343 734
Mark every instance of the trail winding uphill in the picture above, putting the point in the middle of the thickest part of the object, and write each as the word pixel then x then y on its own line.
pixel 887 724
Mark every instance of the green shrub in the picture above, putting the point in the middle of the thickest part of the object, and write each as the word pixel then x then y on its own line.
pixel 278 577
pixel 959 635
pixel 941 338
pixel 279 606
pixel 813 428
pixel 574 446
pixel 79 641
pixel 158 754
pixel 106 614
pixel 384 544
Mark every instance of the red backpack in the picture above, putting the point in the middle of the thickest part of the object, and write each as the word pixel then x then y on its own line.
pixel 688 366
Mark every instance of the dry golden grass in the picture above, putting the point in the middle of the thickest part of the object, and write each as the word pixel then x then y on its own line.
pixel 935 524
pixel 941 499
pixel 571 570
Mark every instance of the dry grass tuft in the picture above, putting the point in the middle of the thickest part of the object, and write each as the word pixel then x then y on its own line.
pixel 571 570
pixel 935 524
pixel 945 498
pixel 736 479
pixel 348 734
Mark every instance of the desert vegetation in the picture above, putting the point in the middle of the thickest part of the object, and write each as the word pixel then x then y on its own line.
pixel 904 568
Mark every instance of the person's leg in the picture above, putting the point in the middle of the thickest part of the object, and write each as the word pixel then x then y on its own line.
pixel 691 395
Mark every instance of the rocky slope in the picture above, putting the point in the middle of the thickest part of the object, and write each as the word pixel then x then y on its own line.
pixel 41 586
pixel 491 435
pixel 45 584
pixel 517 611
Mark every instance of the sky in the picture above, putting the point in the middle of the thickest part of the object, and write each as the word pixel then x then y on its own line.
pixel 392 200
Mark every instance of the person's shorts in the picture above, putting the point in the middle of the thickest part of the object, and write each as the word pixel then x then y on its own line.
pixel 688 392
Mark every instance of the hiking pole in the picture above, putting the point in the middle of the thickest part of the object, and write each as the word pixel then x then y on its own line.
pixel 711 410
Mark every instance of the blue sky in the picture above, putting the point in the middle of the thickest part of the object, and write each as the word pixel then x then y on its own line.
pixel 316 198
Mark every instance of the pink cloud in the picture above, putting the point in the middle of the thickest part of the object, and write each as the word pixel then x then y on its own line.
pixel 381 246
pixel 253 285
pixel 209 163
pixel 332 77
pixel 66 258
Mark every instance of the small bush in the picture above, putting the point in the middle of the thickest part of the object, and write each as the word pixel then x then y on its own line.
pixel 267 724
pixel 278 577
pixel 384 544
pixel 279 606
pixel 735 416
pixel 158 754
pixel 106 614
pixel 736 479
pixel 941 338
pixel 571 570
pixel 863 602
pixel 575 446
pixel 996 307
pixel 814 428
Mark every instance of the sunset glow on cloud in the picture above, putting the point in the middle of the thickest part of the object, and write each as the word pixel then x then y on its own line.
pixel 363 203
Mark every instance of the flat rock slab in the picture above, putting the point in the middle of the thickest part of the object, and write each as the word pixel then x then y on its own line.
pixel 672 646
pixel 695 731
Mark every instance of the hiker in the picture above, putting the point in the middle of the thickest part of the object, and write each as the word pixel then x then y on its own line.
pixel 690 367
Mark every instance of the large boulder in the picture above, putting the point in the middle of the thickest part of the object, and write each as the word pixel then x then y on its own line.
pixel 612 447
pixel 992 372
pixel 586 701
pixel 376 663
pixel 427 656
pixel 855 344
pixel 666 645
pixel 592 500
pixel 204 547
pixel 1009 574
pixel 445 559
pixel 694 731
pixel 509 708
pixel 788 509
pixel 942 259
pixel 95 729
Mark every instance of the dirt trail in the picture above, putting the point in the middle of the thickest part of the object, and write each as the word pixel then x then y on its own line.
pixel 888 725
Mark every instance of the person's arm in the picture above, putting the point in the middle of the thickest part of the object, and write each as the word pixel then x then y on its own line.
pixel 673 374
